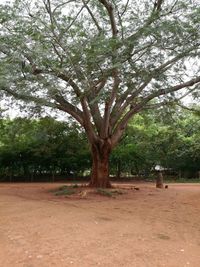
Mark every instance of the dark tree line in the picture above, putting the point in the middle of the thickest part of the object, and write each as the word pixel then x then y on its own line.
pixel 41 148
pixel 46 149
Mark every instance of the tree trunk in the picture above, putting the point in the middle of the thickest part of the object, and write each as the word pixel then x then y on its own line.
pixel 159 180
pixel 100 165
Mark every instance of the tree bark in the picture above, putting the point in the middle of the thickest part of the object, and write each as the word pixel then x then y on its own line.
pixel 100 165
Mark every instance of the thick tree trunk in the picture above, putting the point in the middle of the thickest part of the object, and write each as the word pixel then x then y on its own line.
pixel 100 165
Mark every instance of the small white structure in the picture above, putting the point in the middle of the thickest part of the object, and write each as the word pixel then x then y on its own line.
pixel 160 168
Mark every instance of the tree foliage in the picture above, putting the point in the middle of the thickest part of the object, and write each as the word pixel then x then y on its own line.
pixel 31 148
pixel 151 139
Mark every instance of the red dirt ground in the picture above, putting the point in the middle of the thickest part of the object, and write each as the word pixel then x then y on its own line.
pixel 145 228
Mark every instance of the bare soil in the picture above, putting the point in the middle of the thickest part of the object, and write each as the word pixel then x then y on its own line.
pixel 141 228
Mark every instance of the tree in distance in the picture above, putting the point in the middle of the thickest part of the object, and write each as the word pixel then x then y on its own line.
pixel 100 61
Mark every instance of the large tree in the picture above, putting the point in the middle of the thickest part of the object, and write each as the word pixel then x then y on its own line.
pixel 101 61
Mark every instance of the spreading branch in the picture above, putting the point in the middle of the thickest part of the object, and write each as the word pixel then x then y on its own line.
pixel 139 106
pixel 110 9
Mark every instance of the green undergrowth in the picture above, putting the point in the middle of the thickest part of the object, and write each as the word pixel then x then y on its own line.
pixel 65 190
pixel 182 180
pixel 175 180
pixel 109 193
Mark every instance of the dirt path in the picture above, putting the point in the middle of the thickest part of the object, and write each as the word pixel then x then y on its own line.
pixel 146 228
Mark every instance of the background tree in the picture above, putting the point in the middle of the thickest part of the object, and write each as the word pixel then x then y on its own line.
pixel 171 141
pixel 46 149
pixel 183 144
pixel 41 149
pixel 101 61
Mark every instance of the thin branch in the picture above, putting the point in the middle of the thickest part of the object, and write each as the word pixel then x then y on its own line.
pixel 57 53
pixel 53 20
pixel 28 98
pixel 125 8
pixel 175 102
pixel 61 5
pixel 92 15
pixel 154 16
pixel 165 102
pixel 173 88
pixel 75 18
pixel 189 108
pixel 63 104
pixel 36 70
pixel 176 58
pixel 70 81
pixel 65 77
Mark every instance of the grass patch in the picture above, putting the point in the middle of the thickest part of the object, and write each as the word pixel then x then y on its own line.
pixel 104 192
pixel 168 179
pixel 183 180
pixel 75 186
pixel 117 192
pixel 65 190
pixel 109 193
pixel 164 237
